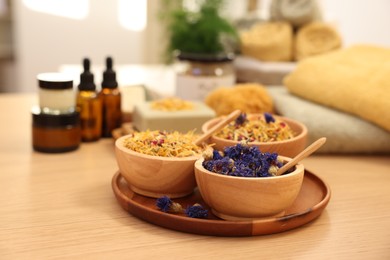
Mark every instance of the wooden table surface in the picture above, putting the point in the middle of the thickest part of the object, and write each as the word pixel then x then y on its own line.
pixel 62 206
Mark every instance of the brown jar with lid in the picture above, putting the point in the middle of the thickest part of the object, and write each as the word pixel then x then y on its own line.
pixel 55 133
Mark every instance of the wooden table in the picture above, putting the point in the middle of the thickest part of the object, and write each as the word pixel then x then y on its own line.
pixel 62 206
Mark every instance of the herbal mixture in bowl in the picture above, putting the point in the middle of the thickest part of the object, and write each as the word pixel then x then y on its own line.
pixel 270 133
pixel 162 143
pixel 260 128
pixel 158 163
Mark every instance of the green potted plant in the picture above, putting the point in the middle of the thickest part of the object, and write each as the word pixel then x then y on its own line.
pixel 198 32
pixel 205 41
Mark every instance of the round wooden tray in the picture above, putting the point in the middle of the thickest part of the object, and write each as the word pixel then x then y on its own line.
pixel 312 200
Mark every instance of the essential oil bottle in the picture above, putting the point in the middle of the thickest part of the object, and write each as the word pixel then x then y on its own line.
pixel 89 105
pixel 111 100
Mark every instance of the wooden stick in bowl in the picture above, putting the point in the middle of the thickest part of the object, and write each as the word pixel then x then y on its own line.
pixel 226 120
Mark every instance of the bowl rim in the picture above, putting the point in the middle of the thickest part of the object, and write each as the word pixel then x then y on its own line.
pixel 299 168
pixel 286 119
pixel 119 145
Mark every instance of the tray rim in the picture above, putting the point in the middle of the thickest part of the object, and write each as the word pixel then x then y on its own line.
pixel 248 228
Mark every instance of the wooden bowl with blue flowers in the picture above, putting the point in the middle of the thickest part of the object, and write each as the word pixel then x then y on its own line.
pixel 240 184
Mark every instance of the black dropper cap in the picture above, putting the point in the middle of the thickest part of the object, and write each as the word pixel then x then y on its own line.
pixel 109 75
pixel 86 78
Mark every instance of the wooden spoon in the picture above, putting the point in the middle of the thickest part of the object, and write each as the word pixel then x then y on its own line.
pixel 226 120
pixel 302 155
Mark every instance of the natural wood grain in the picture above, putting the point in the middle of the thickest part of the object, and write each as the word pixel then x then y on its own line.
pixel 311 201
pixel 155 176
pixel 242 198
pixel 61 206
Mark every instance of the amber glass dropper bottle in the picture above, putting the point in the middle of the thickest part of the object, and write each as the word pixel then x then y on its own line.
pixel 111 100
pixel 89 106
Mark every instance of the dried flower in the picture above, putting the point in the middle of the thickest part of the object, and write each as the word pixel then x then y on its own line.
pixel 196 211
pixel 241 119
pixel 244 161
pixel 268 118
pixel 165 204
pixel 223 166
pixel 208 152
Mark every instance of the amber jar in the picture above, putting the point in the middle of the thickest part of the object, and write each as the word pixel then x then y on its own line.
pixel 55 133
pixel 198 74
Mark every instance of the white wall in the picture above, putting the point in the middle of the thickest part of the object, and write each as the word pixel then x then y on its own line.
pixel 360 21
pixel 43 42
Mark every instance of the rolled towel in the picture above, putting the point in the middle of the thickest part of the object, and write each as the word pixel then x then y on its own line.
pixel 315 38
pixel 355 80
pixel 268 41
pixel 345 133
pixel 295 12
pixel 249 69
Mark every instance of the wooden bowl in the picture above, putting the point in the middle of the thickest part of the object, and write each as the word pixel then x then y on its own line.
pixel 248 198
pixel 155 176
pixel 288 148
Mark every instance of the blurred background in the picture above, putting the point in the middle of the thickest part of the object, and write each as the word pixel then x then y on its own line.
pixel 41 35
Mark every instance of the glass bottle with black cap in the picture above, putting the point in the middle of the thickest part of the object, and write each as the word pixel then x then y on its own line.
pixel 89 105
pixel 111 100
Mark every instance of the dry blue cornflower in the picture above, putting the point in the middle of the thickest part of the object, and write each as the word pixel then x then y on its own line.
pixel 241 119
pixel 196 211
pixel 268 118
pixel 217 155
pixel 165 204
pixel 223 165
pixel 244 161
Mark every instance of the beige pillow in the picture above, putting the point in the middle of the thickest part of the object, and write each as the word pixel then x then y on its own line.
pixel 345 133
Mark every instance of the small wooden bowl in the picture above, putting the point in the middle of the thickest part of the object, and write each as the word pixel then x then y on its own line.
pixel 288 148
pixel 248 198
pixel 155 176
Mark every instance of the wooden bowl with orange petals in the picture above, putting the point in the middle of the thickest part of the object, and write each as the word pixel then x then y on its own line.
pixel 155 176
